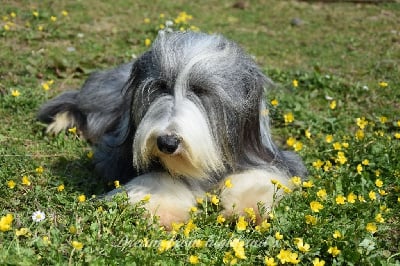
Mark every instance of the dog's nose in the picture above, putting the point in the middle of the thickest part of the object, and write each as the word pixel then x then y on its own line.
pixel 168 143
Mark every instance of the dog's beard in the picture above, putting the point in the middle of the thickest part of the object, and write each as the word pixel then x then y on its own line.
pixel 197 155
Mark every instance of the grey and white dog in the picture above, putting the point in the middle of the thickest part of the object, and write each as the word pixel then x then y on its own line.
pixel 178 122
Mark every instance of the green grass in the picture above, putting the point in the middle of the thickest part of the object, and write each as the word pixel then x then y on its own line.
pixel 342 52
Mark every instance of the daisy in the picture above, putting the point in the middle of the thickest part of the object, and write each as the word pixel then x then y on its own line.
pixel 38 216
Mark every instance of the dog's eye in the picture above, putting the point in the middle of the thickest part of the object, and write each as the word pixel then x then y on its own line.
pixel 163 87
pixel 199 91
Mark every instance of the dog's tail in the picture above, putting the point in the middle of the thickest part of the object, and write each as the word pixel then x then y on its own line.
pixel 62 113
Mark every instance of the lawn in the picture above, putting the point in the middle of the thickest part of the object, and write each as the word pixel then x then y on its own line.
pixel 336 103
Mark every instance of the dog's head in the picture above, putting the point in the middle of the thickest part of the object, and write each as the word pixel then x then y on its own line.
pixel 196 102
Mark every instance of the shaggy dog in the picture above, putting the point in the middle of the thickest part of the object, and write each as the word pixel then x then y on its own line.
pixel 178 122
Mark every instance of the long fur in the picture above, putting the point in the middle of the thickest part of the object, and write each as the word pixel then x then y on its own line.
pixel 203 92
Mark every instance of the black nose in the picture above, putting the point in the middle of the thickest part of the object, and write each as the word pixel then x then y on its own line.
pixel 168 143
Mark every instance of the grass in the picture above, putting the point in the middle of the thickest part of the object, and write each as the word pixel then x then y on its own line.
pixel 346 126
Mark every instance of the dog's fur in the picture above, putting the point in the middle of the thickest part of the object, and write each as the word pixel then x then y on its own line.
pixel 178 122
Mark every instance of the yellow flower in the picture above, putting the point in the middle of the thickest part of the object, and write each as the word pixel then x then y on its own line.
pixel 72 229
pixel 288 117
pixel 40 28
pixel 263 227
pixel 341 158
pixel 372 195
pixel 53 18
pixel 379 183
pixel 334 251
pixel 165 245
pixel 176 227
pixel 64 13
pixel 15 93
pixel 241 224
pixel 6 27
pixel 116 184
pixel 11 184
pixel 35 14
pixel 365 162
pixel 269 261
pixel 361 198
pixel 89 155
pixel 250 214
pixel 238 247
pixel 340 200
pixel 147 42
pixel 328 138
pixel 290 141
pixel 383 84
pixel 72 130
pixel 318 164
pixel 278 236
pixel 199 200
pixel 327 166
pixel 77 245
pixel 382 192
pixel 46 240
pixel 316 206
pixel 359 134
pixel 274 102
pixel 337 234
pixel 361 122
pixel 287 256
pixel 359 168
pixel 303 247
pixel 228 258
pixel 318 262
pixel 228 183
pixel 193 259
pixel 82 198
pixel 308 184
pixel 215 200
pixel 307 133
pixel 379 218
pixel 13 15
pixel 296 180
pixel 397 135
pixel 60 188
pixel 146 21
pixel 193 209
pixel 22 232
pixel 322 194
pixel 295 83
pixel 220 219
pixel 39 170
pixel 146 198
pixel 198 243
pixel 298 146
pixel 371 227
pixel 351 198
pixel 190 226
pixel 337 146
pixel 345 145
pixel 5 222
pixel 26 181
pixel 332 105
pixel 311 220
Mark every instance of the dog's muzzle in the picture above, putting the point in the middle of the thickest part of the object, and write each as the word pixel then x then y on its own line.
pixel 168 144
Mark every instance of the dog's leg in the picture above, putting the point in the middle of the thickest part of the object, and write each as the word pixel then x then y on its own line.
pixel 250 188
pixel 164 196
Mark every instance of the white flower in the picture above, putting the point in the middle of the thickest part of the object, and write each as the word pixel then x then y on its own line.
pixel 38 216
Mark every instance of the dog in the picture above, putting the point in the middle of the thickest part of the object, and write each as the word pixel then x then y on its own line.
pixel 178 122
